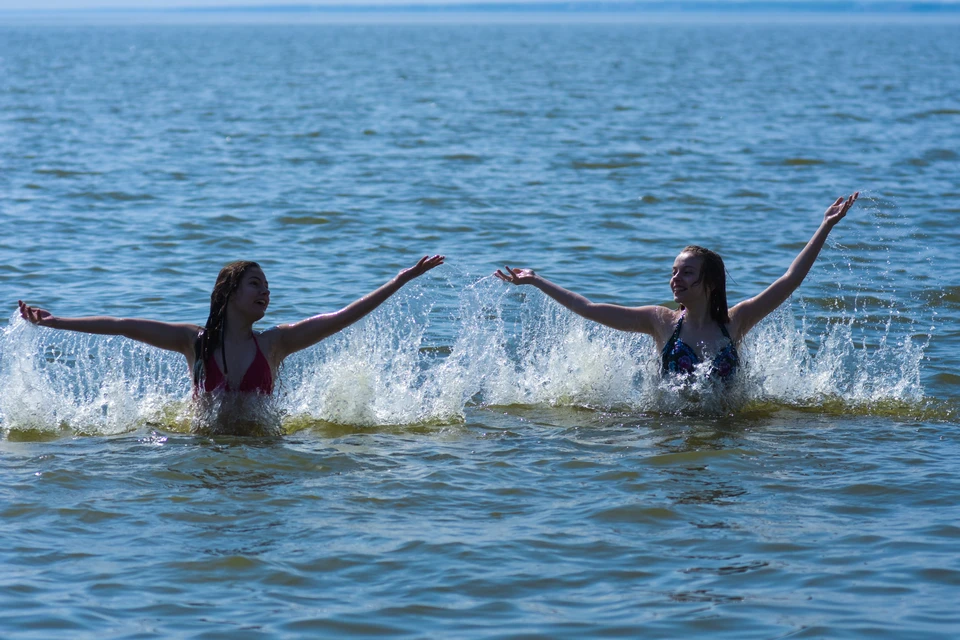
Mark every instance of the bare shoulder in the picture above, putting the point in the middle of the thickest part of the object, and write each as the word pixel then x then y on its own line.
pixel 660 321
pixel 269 342
pixel 668 323
pixel 190 329
pixel 741 319
pixel 191 333
pixel 665 315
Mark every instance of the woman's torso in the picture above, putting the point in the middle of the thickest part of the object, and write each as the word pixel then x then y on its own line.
pixel 258 377
pixel 680 358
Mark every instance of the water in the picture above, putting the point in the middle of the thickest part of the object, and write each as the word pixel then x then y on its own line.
pixel 471 460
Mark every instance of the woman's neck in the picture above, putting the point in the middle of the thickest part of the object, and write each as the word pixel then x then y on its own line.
pixel 697 316
pixel 237 329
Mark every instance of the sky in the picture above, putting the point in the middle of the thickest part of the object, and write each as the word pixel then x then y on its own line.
pixel 48 5
pixel 167 4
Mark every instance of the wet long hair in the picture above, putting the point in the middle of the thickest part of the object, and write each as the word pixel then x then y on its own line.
pixel 211 336
pixel 713 275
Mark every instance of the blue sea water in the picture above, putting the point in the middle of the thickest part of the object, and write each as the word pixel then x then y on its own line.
pixel 471 460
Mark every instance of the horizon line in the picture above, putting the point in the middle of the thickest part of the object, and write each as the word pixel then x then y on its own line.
pixel 576 7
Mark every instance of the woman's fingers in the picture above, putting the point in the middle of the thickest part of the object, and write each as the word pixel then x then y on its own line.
pixel 425 264
pixel 852 199
pixel 28 313
pixel 431 262
pixel 838 210
pixel 516 276
pixel 849 202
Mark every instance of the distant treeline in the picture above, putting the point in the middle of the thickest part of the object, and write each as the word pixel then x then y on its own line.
pixel 640 6
pixel 574 7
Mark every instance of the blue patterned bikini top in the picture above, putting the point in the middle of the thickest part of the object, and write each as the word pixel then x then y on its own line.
pixel 679 358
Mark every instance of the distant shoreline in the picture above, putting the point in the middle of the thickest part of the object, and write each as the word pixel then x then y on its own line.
pixel 639 9
pixel 566 13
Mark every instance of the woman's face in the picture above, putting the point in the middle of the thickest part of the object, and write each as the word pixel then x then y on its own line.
pixel 252 296
pixel 686 282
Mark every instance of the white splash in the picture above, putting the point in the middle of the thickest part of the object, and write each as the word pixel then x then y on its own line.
pixel 511 346
pixel 52 380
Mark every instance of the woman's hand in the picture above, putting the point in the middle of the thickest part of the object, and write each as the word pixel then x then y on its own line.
pixel 745 315
pixel 516 276
pixel 425 264
pixel 838 209
pixel 36 315
pixel 300 335
pixel 643 319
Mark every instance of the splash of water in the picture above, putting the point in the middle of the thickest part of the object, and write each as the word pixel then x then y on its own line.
pixel 552 357
pixel 512 346
pixel 233 414
pixel 55 380
pixel 838 365
pixel 375 373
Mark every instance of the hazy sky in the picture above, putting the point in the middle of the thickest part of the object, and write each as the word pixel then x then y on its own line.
pixel 166 4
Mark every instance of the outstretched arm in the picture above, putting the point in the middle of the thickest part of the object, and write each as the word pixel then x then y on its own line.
pixel 748 313
pixel 646 319
pixel 300 335
pixel 163 335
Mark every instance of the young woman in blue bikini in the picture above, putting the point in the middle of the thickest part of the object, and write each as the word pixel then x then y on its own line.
pixel 703 328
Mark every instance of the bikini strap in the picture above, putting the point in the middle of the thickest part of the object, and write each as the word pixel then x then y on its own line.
pixel 724 331
pixel 676 332
pixel 260 351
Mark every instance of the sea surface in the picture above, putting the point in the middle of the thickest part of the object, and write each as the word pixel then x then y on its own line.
pixel 472 461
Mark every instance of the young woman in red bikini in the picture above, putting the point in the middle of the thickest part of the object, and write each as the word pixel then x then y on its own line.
pixel 227 355
pixel 703 328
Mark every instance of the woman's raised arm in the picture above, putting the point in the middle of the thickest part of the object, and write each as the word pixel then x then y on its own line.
pixel 291 338
pixel 745 315
pixel 648 319
pixel 163 335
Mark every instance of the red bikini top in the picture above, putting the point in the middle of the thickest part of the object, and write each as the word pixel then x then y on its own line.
pixel 257 379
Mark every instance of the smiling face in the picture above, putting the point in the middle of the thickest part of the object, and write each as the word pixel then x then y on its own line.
pixel 686 282
pixel 252 296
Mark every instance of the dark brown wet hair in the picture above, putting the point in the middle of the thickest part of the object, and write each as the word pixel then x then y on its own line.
pixel 211 337
pixel 713 275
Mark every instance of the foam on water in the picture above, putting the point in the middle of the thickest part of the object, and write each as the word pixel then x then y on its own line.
pixel 843 367
pixel 542 354
pixel 375 373
pixel 54 380
pixel 554 357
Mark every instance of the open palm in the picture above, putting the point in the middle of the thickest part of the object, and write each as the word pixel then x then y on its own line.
pixel 838 209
